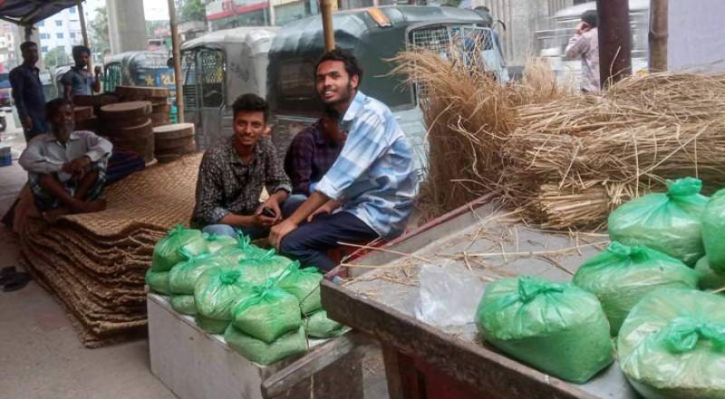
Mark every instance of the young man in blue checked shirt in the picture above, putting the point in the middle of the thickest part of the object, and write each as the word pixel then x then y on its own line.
pixel 368 192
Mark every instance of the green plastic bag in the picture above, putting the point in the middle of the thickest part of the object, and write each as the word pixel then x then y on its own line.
pixel 709 279
pixel 269 266
pixel 184 304
pixel 167 252
pixel 318 325
pixel 672 345
pixel 243 250
pixel 713 231
pixel 622 275
pixel 183 276
pixel 669 223
pixel 267 315
pixel 258 351
pixel 216 293
pixel 303 284
pixel 215 242
pixel 211 326
pixel 158 282
pixel 559 329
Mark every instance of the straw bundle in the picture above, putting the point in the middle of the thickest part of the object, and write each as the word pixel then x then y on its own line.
pixel 579 157
pixel 565 159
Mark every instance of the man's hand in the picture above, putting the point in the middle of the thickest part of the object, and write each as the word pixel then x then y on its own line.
pixel 97 70
pixel 27 122
pixel 582 27
pixel 263 221
pixel 272 203
pixel 327 208
pixel 280 231
pixel 77 167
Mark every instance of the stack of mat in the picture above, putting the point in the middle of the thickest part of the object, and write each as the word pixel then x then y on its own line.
pixel 96 102
pixel 157 96
pixel 173 141
pixel 128 127
pixel 95 263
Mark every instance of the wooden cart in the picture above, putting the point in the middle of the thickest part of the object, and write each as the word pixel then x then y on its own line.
pixel 426 361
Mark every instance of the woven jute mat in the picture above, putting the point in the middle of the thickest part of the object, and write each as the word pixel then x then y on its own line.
pixel 157 199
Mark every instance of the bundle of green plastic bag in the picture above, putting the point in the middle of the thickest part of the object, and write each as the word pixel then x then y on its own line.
pixel 258 351
pixel 622 275
pixel 672 345
pixel 215 242
pixel 559 329
pixel 184 304
pixel 158 282
pixel 167 252
pixel 216 293
pixel 709 279
pixel 318 325
pixel 268 314
pixel 713 231
pixel 244 249
pixel 668 222
pixel 183 276
pixel 303 284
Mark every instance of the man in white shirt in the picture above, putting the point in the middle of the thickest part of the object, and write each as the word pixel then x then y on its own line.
pixel 66 168
pixel 585 45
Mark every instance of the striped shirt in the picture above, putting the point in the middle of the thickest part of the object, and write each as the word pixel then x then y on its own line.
pixel 373 175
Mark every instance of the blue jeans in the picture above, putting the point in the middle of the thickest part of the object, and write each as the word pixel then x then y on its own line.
pixel 310 242
pixel 289 207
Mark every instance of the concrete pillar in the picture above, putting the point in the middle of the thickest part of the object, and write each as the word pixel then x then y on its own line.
pixel 126 25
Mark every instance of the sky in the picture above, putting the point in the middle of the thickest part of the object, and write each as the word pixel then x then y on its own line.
pixel 153 9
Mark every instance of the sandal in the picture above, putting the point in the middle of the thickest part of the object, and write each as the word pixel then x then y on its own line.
pixel 17 281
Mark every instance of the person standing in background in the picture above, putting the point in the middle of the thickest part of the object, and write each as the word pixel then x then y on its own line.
pixel 78 81
pixel 585 45
pixel 28 92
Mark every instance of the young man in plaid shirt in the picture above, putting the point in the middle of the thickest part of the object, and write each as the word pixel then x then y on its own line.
pixel 368 192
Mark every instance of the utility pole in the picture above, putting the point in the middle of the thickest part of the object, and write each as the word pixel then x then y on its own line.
pixel 658 35
pixel 615 41
pixel 327 28
pixel 176 48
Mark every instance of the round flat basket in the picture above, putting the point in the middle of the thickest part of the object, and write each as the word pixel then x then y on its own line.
pixel 174 131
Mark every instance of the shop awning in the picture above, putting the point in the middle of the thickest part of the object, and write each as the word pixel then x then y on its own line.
pixel 28 12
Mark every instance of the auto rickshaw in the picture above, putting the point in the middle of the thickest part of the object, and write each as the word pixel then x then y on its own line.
pixel 374 35
pixel 217 68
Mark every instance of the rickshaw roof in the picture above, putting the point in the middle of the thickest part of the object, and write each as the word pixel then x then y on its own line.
pixel 219 39
pixel 144 59
pixel 359 22
pixel 577 10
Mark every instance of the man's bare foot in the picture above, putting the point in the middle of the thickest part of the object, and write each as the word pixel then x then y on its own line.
pixel 52 216
pixel 90 207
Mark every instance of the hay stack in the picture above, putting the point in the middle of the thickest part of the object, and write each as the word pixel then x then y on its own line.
pixel 565 159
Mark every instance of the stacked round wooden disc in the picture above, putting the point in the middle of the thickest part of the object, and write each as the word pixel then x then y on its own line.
pixel 128 127
pixel 85 119
pixel 157 96
pixel 174 141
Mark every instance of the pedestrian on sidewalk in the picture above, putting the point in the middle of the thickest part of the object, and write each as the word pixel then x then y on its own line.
pixel 28 93
pixel 585 45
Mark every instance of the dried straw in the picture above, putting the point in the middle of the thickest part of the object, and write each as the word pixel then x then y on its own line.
pixel 564 159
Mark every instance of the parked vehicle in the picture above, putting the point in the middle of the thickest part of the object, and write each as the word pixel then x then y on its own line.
pixel 374 35
pixel 217 68
pixel 138 68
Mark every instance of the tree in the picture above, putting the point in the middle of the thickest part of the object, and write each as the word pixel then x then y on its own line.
pixel 99 31
pixel 190 10
pixel 57 57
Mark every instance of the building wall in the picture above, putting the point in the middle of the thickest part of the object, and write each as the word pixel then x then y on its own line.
pixel 60 30
pixel 9 57
pixel 522 20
